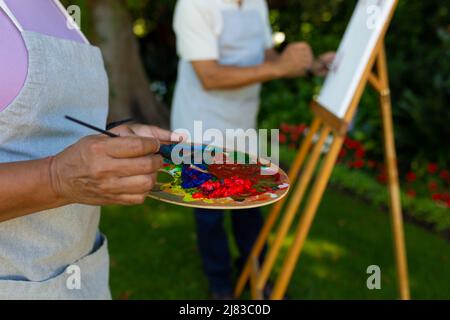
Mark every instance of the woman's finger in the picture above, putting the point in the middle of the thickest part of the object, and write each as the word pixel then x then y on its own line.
pixel 132 185
pixel 158 133
pixel 123 131
pixel 131 199
pixel 131 147
pixel 137 166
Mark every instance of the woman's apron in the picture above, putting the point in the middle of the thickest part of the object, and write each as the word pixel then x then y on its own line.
pixel 242 44
pixel 64 77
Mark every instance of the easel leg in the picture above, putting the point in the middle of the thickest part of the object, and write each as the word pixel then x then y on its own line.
pixel 306 219
pixel 275 212
pixel 292 208
pixel 256 294
pixel 394 189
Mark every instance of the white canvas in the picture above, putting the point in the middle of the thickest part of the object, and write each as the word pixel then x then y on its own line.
pixel 353 55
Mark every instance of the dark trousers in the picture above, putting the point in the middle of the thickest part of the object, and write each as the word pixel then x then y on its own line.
pixel 213 243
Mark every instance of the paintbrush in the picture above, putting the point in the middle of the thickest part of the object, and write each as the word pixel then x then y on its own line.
pixel 165 150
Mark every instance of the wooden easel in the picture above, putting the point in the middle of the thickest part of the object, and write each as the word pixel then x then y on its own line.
pixel 325 124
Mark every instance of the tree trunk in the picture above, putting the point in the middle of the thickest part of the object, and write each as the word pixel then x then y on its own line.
pixel 130 96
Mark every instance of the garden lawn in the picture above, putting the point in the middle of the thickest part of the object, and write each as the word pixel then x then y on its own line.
pixel 154 255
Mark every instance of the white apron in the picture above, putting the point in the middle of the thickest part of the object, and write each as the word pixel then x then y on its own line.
pixel 241 43
pixel 64 77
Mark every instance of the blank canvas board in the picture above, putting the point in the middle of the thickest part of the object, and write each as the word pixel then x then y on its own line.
pixel 356 48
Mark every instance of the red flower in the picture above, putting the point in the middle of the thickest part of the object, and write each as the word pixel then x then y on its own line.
pixel 444 175
pixel 295 136
pixel 411 177
pixel 436 196
pixel 301 128
pixel 358 164
pixel 360 153
pixel 342 153
pixel 352 144
pixel 382 178
pixel 432 186
pixel 432 168
pixel 283 138
pixel 412 193
pixel 285 127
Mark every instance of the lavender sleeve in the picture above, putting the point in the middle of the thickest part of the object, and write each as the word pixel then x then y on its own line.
pixel 42 16
pixel 13 61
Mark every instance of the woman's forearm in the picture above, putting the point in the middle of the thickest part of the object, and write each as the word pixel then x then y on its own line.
pixel 25 188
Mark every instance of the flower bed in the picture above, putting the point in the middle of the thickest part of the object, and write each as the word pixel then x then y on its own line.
pixel 425 195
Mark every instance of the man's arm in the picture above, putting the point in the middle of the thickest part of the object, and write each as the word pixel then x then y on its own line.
pixel 214 76
pixel 293 62
pixel 236 77
pixel 271 55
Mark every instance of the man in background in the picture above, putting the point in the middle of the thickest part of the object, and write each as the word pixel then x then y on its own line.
pixel 226 52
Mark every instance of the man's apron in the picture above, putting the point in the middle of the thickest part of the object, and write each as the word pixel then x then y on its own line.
pixel 241 43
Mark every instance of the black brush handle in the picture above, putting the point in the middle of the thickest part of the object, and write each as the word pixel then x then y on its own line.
pixel 90 126
pixel 165 150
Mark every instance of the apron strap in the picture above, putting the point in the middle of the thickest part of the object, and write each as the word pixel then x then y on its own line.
pixel 10 15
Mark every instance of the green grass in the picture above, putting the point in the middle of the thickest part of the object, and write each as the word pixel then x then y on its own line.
pixel 154 255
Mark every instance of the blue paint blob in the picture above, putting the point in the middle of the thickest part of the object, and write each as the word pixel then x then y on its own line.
pixel 192 178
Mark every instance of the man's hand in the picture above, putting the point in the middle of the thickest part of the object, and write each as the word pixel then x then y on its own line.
pixel 321 65
pixel 295 60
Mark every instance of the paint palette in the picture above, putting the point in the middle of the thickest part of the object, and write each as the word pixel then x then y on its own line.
pixel 221 184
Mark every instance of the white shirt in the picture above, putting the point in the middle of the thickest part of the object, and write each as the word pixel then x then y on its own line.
pixel 218 30
pixel 199 23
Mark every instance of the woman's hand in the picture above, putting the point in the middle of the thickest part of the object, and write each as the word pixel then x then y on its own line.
pixel 97 170
pixel 155 132
pixel 100 170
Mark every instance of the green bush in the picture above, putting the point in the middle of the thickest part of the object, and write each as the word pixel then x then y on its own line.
pixel 418 49
pixel 367 188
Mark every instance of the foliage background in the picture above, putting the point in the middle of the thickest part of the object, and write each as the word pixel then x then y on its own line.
pixel 418 48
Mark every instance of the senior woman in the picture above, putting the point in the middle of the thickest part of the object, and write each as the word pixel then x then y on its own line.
pixel 53 176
